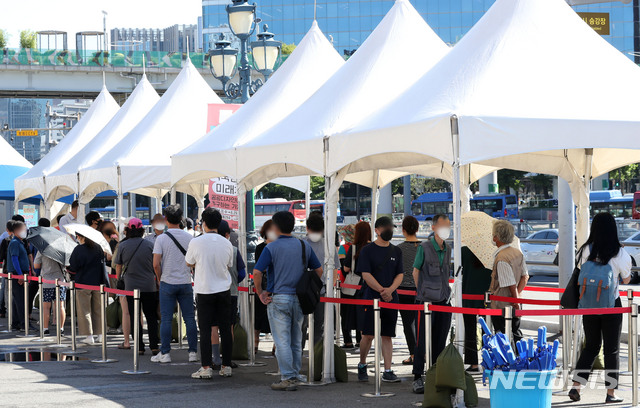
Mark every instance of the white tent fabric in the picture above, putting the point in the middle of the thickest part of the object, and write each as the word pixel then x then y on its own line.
pixel 367 81
pixel 12 165
pixel 312 62
pixel 64 181
pixel 143 157
pixel 517 86
pixel 103 108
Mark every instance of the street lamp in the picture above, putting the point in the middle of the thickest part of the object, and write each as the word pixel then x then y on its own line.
pixel 223 59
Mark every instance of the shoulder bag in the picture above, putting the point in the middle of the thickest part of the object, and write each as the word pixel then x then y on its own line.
pixel 351 278
pixel 308 287
pixel 125 266
pixel 571 295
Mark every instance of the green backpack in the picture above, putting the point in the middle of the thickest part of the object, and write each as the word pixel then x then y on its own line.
pixel 435 397
pixel 340 362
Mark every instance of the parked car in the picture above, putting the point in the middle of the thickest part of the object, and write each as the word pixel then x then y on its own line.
pixel 541 252
pixel 633 250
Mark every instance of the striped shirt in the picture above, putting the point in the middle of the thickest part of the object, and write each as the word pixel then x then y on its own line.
pixel 506 277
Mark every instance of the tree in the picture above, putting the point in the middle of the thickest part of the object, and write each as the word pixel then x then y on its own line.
pixel 510 179
pixel 544 183
pixel 28 39
pixel 624 175
pixel 4 38
pixel 317 188
pixel 287 49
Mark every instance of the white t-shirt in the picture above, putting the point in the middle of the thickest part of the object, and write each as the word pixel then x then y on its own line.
pixel 174 269
pixel 67 219
pixel 620 264
pixel 212 255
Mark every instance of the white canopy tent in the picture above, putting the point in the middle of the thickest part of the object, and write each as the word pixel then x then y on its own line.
pixel 516 86
pixel 33 183
pixel 12 165
pixel 141 162
pixel 64 181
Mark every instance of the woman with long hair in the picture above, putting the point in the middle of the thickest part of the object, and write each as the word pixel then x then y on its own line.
pixel 603 247
pixel 348 313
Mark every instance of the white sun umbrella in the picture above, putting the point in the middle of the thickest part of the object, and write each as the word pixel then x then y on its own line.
pixel 34 181
pixel 64 181
pixel 141 162
pixel 89 233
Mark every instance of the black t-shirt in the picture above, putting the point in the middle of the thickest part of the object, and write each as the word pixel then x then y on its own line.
pixel 87 263
pixel 383 263
pixel 4 248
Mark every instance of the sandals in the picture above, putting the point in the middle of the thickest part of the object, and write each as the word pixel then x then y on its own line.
pixel 121 346
pixel 408 361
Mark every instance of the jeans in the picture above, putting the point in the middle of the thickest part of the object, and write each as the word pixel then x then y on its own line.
pixel 214 308
pixel 440 325
pixel 285 317
pixel 148 306
pixel 169 295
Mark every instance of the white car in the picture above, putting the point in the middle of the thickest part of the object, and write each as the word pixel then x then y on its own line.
pixel 541 252
pixel 634 251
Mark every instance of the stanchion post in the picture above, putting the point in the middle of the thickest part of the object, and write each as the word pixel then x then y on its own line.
pixel 427 335
pixel 311 374
pixel 179 320
pixel 72 301
pixel 338 295
pixel 377 353
pixel 633 353
pixel 629 303
pixel 103 328
pixel 487 304
pixel 508 323
pixel 136 329
pixel 252 323
pixel 10 302
pixel 57 312
pixel 575 345
pixel 566 346
pixel 41 314
pixel 25 284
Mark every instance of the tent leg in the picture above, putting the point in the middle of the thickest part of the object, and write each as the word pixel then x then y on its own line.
pixel 328 374
pixel 582 225
pixel 307 198
pixel 120 206
pixel 374 202
pixel 172 196
pixel 243 297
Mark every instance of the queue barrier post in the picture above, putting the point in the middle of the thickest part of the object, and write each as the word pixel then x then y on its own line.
pixel 72 301
pixel 633 353
pixel 57 312
pixel 338 295
pixel 103 328
pixel 566 347
pixel 377 353
pixel 508 323
pixel 179 321
pixel 310 381
pixel 136 333
pixel 427 335
pixel 487 304
pixel 25 284
pixel 251 339
pixel 629 303
pixel 9 303
pixel 41 314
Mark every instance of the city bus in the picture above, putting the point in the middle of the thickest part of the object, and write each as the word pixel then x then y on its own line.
pixel 265 208
pixel 496 205
pixel 425 207
pixel 318 205
pixel 612 201
pixel 109 213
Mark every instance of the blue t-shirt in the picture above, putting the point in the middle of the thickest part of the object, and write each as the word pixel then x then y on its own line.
pixel 282 259
pixel 383 263
pixel 17 249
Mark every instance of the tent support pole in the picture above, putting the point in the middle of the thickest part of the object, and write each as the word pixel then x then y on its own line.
pixel 120 206
pixel 375 193
pixel 457 240
pixel 172 196
pixel 159 202
pixel 307 197
pixel 582 225
pixel 242 243
pixel 47 207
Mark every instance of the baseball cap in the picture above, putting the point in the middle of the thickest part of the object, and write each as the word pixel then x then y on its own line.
pixel 384 222
pixel 134 223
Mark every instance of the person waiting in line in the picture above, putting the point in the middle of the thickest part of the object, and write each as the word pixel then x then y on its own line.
pixel 349 313
pixel 58 218
pixel 380 265
pixel 409 249
pixel 51 270
pixel 508 277
pixel 175 278
pixel 134 264
pixel 431 271
pixel 70 218
pixel 93 219
pixel 4 246
pixel 268 234
pixel 282 259
pixel 18 264
pixel 603 247
pixel 44 222
pixel 212 256
pixel 159 225
pixel 86 266
pixel 314 239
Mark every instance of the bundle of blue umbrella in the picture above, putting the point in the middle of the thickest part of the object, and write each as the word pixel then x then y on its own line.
pixel 497 353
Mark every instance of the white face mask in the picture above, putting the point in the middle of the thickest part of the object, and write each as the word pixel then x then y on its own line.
pixel 493 241
pixel 443 233
pixel 159 226
pixel 314 236
pixel 272 236
pixel 22 234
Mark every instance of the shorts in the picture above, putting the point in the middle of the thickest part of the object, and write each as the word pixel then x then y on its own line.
pixel 388 320
pixel 49 294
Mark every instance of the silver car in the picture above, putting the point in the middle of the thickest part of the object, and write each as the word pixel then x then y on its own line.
pixel 541 252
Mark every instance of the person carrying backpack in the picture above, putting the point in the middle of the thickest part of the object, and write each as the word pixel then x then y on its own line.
pixel 602 262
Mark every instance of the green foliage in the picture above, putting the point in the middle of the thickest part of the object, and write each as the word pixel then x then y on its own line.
pixel 28 39
pixel 317 188
pixel 624 175
pixel 4 39
pixel 287 49
pixel 543 183
pixel 420 185
pixel 510 179
pixel 272 190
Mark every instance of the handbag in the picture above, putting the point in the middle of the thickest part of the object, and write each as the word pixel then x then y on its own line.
pixel 351 278
pixel 308 287
pixel 571 295
pixel 120 284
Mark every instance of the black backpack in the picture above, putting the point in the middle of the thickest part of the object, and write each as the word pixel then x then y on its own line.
pixel 308 287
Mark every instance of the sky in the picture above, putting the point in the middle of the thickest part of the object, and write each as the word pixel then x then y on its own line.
pixel 86 15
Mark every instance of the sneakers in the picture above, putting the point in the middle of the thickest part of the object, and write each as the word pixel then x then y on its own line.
pixel 418 386
pixel 88 340
pixel 285 385
pixel 46 332
pixel 161 358
pixel 193 356
pixel 390 377
pixel 99 339
pixel 203 374
pixel 362 373
pixel 225 371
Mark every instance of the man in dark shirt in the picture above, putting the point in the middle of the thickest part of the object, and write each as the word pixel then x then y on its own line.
pixel 4 247
pixel 380 264
pixel 18 264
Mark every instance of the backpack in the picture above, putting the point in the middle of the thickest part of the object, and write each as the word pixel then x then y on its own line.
pixel 308 287
pixel 597 287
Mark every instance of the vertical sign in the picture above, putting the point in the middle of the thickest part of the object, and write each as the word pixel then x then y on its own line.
pixel 30 214
pixel 223 196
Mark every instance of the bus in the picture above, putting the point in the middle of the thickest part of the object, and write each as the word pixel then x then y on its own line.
pixel 425 207
pixel 612 201
pixel 265 208
pixel 109 213
pixel 318 205
pixel 496 205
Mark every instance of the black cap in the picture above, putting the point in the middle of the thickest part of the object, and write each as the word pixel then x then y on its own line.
pixel 384 222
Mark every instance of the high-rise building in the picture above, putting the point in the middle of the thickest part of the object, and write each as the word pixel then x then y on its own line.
pixel 170 39
pixel 22 115
pixel 349 22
